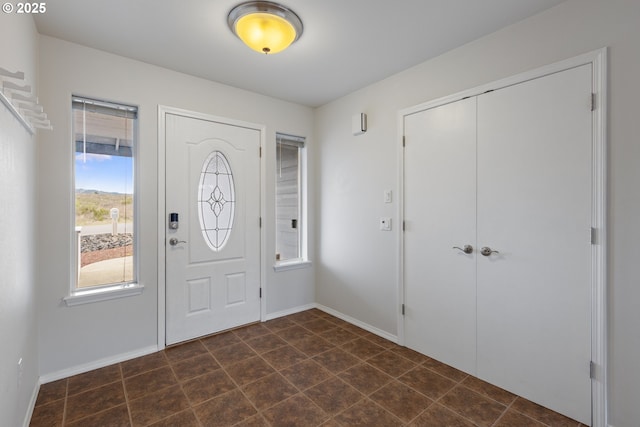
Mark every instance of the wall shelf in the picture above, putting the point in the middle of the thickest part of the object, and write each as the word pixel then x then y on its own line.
pixel 21 102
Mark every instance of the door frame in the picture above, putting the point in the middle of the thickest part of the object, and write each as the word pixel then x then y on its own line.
pixel 163 110
pixel 598 61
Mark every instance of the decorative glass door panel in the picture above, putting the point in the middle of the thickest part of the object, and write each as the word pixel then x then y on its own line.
pixel 216 204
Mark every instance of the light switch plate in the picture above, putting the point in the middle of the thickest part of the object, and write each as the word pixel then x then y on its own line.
pixel 388 196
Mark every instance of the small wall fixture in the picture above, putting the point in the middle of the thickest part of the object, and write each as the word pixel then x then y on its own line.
pixel 264 26
pixel 359 124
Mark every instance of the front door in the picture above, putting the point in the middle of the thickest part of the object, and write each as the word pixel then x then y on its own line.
pixel 212 216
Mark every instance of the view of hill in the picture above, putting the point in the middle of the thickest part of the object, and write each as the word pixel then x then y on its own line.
pixel 93 207
pixel 85 191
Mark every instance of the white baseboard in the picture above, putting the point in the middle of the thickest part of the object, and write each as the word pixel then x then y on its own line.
pixel 101 363
pixel 288 311
pixel 32 405
pixel 356 322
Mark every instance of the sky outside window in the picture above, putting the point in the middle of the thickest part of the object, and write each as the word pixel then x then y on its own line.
pixel 100 172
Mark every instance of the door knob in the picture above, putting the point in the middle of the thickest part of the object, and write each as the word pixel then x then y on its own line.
pixel 467 249
pixel 486 251
pixel 174 241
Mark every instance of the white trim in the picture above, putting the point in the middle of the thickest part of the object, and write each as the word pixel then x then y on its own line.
pixel 400 260
pixel 162 224
pixel 32 405
pixel 163 110
pixel 89 296
pixel 598 60
pixel 358 323
pixel 599 250
pixel 291 265
pixel 289 311
pixel 263 215
pixel 586 58
pixel 97 364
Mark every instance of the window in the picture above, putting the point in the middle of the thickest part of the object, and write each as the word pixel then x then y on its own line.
pixel 104 148
pixel 290 200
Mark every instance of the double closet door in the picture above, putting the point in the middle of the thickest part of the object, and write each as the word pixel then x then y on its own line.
pixel 497 247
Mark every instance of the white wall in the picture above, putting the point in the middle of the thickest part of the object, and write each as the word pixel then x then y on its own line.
pixel 81 335
pixel 357 266
pixel 18 319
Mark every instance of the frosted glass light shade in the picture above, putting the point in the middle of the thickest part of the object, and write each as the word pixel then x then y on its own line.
pixel 264 26
pixel 265 33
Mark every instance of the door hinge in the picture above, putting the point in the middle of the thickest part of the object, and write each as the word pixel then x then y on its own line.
pixel 260 222
pixel 260 152
pixel 403 225
pixel 260 292
pixel 593 102
pixel 403 309
pixel 592 370
pixel 404 141
pixel 593 236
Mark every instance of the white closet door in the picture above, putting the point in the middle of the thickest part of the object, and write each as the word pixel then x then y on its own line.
pixel 534 207
pixel 440 213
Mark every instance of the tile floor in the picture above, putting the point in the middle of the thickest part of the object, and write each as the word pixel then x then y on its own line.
pixel 306 369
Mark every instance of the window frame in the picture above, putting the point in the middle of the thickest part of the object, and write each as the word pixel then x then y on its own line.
pixel 109 291
pixel 302 261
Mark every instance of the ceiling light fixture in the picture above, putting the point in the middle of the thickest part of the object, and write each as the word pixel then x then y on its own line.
pixel 264 26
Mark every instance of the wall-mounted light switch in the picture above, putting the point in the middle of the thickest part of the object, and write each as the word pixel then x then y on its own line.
pixel 385 224
pixel 387 196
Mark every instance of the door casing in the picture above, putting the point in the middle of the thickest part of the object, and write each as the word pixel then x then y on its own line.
pixel 162 221
pixel 598 60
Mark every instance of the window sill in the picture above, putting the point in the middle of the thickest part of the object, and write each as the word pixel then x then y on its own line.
pixel 103 294
pixel 291 265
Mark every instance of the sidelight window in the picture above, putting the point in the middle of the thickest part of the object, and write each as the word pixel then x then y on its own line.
pixel 104 150
pixel 290 200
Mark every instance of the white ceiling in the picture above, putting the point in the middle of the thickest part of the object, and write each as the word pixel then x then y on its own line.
pixel 346 44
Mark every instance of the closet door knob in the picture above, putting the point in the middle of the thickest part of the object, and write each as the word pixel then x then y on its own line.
pixel 467 249
pixel 486 251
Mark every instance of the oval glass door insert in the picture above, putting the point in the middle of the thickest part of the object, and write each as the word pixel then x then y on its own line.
pixel 216 200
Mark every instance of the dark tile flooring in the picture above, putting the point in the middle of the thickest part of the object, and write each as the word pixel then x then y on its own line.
pixel 306 369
